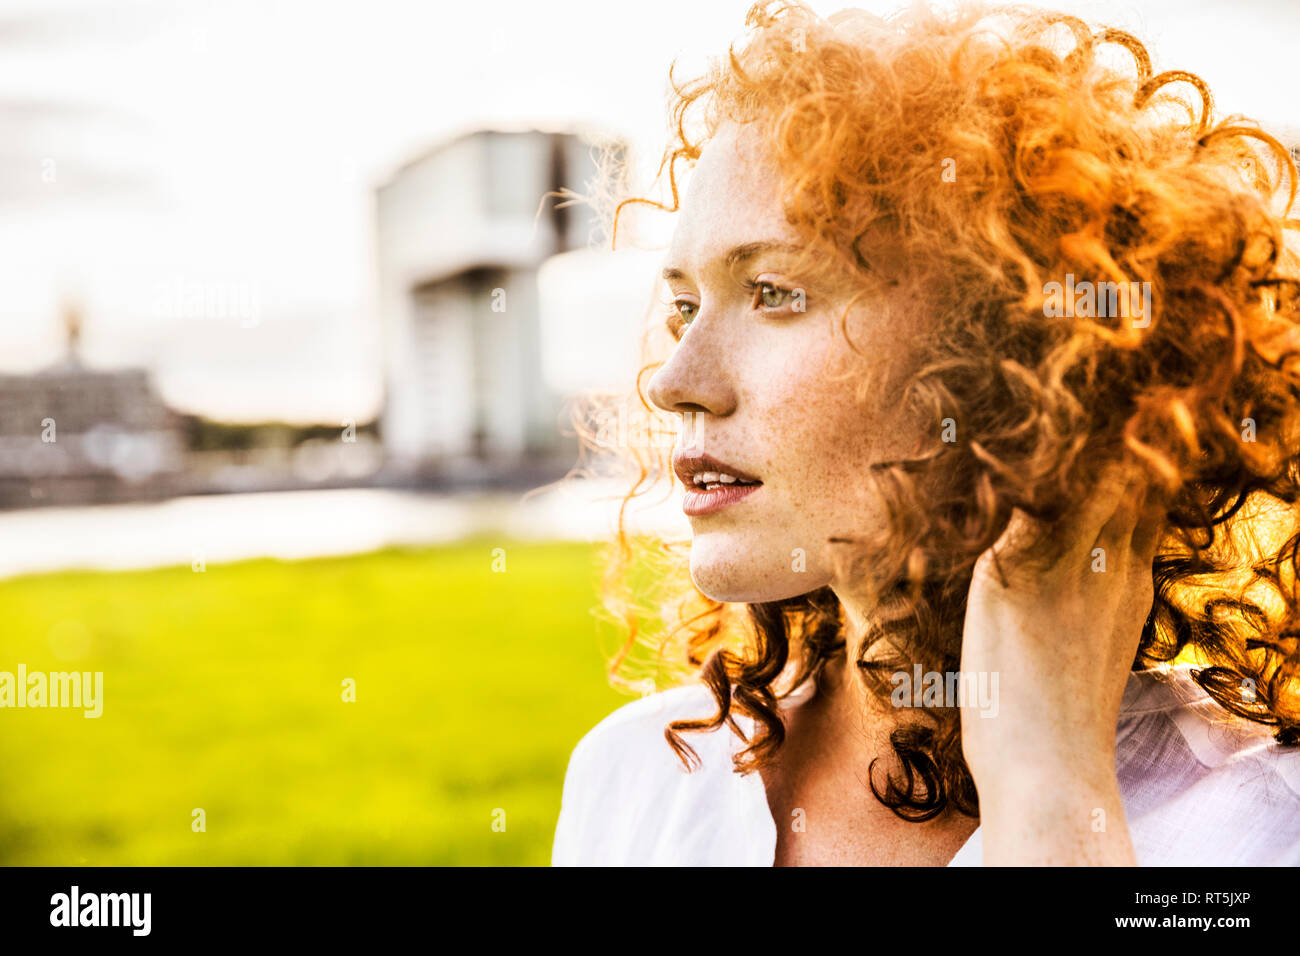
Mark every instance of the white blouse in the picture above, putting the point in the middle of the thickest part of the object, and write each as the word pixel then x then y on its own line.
pixel 1199 786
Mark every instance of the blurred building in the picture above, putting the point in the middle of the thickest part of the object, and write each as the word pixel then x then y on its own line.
pixel 461 234
pixel 69 433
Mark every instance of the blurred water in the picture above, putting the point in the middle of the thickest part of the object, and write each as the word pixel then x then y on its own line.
pixel 300 524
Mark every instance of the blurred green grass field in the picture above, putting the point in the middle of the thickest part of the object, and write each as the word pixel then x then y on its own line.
pixel 223 691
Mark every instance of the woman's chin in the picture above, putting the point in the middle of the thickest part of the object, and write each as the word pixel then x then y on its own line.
pixel 740 574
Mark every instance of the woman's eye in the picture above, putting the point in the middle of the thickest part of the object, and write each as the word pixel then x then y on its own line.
pixel 770 296
pixel 680 314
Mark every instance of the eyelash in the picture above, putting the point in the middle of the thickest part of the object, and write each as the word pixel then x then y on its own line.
pixel 677 322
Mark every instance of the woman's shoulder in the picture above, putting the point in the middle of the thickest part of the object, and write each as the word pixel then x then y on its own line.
pixel 1202 785
pixel 1216 739
pixel 629 799
pixel 639 724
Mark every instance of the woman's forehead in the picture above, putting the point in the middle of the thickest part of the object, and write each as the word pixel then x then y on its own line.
pixel 732 197
pixel 735 160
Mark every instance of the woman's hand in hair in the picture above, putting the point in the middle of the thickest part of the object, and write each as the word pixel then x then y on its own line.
pixel 1059 639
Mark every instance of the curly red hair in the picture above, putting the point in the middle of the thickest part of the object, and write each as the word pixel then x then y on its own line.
pixel 962 163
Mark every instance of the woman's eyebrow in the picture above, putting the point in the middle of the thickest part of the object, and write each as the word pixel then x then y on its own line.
pixel 738 254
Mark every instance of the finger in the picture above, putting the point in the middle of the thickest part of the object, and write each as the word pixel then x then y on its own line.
pixel 1021 533
pixel 1117 533
pixel 1103 515
pixel 1147 537
pixel 1019 548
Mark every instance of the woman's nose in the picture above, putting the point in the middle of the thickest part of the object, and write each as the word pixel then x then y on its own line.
pixel 691 382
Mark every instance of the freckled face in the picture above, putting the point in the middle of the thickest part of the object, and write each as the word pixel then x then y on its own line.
pixel 770 389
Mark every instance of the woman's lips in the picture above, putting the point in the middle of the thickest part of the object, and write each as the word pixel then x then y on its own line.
pixel 701 502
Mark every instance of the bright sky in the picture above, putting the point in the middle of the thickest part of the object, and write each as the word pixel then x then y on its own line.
pixel 149 148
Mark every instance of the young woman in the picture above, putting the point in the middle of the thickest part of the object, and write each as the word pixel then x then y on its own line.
pixel 984 365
